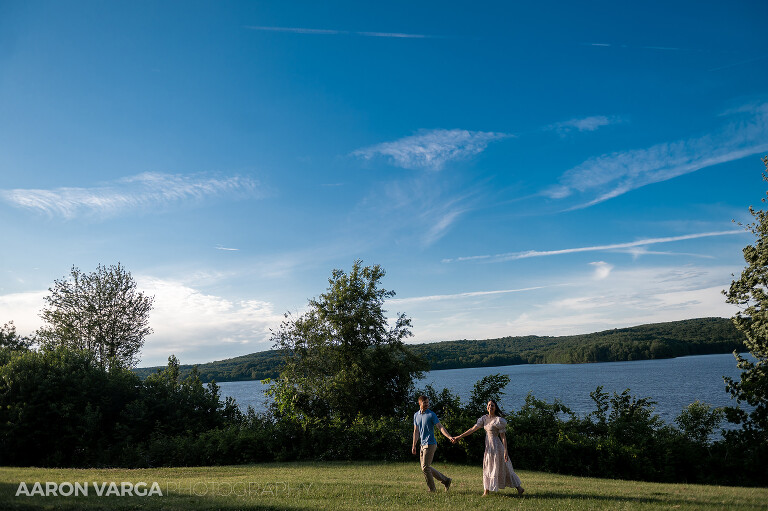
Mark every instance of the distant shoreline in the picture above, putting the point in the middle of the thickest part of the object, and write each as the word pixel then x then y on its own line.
pixel 702 336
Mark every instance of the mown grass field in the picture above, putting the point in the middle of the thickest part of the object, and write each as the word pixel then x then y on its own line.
pixel 365 485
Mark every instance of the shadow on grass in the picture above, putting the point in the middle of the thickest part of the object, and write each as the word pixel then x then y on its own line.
pixel 656 501
pixel 170 501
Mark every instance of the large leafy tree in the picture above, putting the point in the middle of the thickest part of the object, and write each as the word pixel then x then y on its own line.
pixel 342 356
pixel 102 312
pixel 750 293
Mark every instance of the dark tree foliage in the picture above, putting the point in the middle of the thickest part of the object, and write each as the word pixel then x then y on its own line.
pixel 60 407
pixel 487 388
pixel 750 292
pixel 11 340
pixel 622 438
pixel 643 342
pixel 341 358
pixel 101 312
pixel 171 405
pixel 699 421
pixel 255 366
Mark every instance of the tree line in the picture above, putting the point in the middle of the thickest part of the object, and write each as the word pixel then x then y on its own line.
pixel 60 408
pixel 701 336
pixel 654 341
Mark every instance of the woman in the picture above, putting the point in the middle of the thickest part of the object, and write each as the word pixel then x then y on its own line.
pixel 497 469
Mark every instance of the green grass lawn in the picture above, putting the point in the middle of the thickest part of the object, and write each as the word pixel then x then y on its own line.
pixel 364 485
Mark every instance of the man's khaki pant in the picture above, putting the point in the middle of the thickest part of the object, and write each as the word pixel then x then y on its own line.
pixel 426 454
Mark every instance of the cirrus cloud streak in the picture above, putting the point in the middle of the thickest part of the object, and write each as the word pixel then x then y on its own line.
pixel 611 175
pixel 324 31
pixel 511 256
pixel 431 149
pixel 149 189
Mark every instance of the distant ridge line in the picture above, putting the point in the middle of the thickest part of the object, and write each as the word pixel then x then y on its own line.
pixel 701 336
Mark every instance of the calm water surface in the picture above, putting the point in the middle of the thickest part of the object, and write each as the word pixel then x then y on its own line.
pixel 672 383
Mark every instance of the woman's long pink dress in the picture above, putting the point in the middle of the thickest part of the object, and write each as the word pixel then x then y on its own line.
pixel 497 473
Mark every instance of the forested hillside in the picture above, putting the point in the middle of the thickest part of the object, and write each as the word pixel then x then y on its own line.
pixel 658 340
pixel 256 366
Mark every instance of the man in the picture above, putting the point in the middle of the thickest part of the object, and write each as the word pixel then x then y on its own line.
pixel 424 423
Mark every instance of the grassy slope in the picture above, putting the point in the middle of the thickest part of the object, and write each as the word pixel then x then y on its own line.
pixel 355 486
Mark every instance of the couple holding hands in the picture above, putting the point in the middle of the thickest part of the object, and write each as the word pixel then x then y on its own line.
pixel 497 468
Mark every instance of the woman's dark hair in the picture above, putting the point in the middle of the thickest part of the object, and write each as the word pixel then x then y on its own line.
pixel 496 406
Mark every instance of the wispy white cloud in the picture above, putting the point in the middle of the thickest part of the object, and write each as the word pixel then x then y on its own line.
pixel 320 31
pixel 611 175
pixel 431 149
pixel 219 247
pixel 459 296
pixel 297 30
pixel 739 63
pixel 636 252
pixel 397 35
pixel 602 269
pixel 649 295
pixel 423 207
pixel 424 203
pixel 631 296
pixel 441 225
pixel 584 124
pixel 512 256
pixel 639 47
pixel 128 194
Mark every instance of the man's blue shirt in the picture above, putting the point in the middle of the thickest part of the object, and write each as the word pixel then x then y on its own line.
pixel 426 423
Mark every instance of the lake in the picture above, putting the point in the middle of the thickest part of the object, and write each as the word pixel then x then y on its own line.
pixel 673 383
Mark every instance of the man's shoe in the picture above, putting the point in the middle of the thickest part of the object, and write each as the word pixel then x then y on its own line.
pixel 447 484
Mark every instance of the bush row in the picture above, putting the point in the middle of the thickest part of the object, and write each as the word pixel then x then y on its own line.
pixel 60 408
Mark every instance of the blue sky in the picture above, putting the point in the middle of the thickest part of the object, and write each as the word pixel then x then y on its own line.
pixel 517 168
